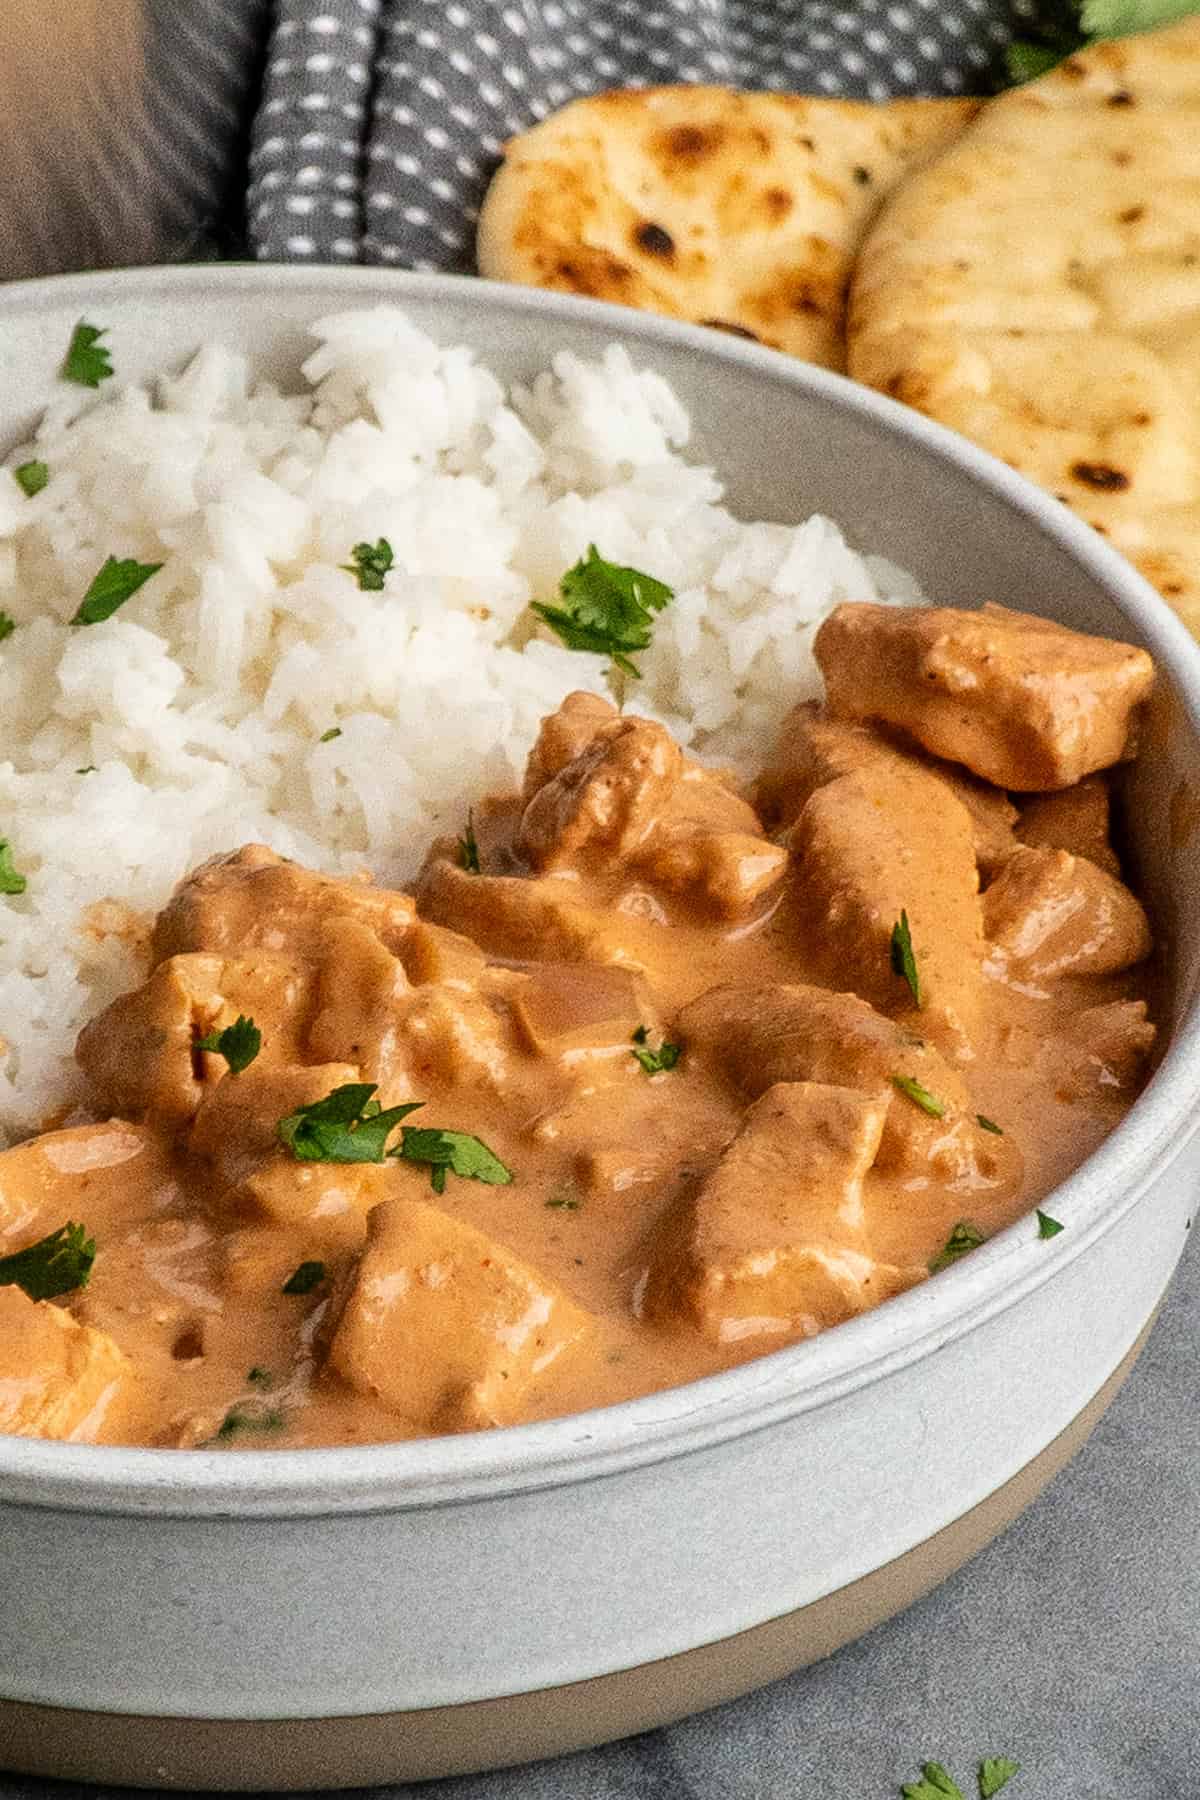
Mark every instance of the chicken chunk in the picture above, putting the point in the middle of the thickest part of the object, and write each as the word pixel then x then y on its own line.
pixel 628 799
pixel 1021 701
pixel 361 991
pixel 606 801
pixel 140 1053
pixel 1111 1044
pixel 253 899
pixel 814 748
pixel 510 916
pixel 759 1035
pixel 67 1175
pixel 774 1243
pixel 236 1130
pixel 446 1326
pixel 879 842
pixel 564 735
pixel 1051 914
pixel 1077 819
pixel 58 1379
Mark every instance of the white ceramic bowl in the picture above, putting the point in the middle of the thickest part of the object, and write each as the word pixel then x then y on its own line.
pixel 337 1617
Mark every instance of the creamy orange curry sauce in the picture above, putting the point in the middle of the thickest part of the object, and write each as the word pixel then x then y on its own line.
pixel 699 1072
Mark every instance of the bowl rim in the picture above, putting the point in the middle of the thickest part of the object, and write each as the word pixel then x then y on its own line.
pixel 120 1479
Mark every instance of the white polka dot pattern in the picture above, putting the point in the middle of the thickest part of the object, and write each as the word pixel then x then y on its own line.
pixel 382 120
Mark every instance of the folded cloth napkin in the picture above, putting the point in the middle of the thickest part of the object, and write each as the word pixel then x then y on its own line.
pixel 381 120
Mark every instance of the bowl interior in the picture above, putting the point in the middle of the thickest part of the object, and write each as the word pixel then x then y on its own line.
pixel 787 440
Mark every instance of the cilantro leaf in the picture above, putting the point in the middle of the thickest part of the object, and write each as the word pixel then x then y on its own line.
pixel 904 963
pixel 11 879
pixel 1025 60
pixel 31 477
pixel 327 737
pixel 347 1126
pixel 468 848
pixel 304 1279
pixel 112 586
pixel 250 1418
pixel 935 1784
pixel 920 1096
pixel 654 1062
pixel 1121 18
pixel 55 1265
pixel 87 360
pixel 457 1151
pixel 7 625
pixel 1048 1227
pixel 995 1772
pixel 260 1377
pixel 564 1201
pixel 369 563
pixel 239 1043
pixel 988 1125
pixel 963 1238
pixel 607 608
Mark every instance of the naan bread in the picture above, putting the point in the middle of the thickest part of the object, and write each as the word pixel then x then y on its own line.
pixel 1038 288
pixel 738 210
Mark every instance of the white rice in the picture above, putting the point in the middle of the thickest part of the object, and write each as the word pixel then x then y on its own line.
pixel 200 705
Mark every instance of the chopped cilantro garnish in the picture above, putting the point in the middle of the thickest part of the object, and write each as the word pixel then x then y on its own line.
pixel 606 608
pixel 87 361
pixel 457 1151
pixel 963 1238
pixel 904 963
pixel 11 879
pixel 1048 1227
pixel 55 1265
pixel 347 1126
pixel 304 1279
pixel 327 737
pixel 468 848
pixel 369 563
pixel 112 586
pixel 7 625
pixel 988 1124
pixel 920 1096
pixel 259 1377
pixel 239 1043
pixel 250 1418
pixel 654 1062
pixel 995 1772
pixel 31 477
pixel 935 1784
pixel 564 1202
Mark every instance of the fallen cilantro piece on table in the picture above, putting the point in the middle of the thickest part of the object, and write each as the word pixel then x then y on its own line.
pixel 7 625
pixel 963 1238
pixel 1048 1227
pixel 369 563
pixel 458 1151
pixel 87 360
pixel 347 1126
pixel 116 582
pixel 31 477
pixel 327 737
pixel 606 608
pixel 304 1279
pixel 57 1264
pixel 11 879
pixel 911 1088
pixel 239 1043
pixel 935 1784
pixel 904 963
pixel 995 1772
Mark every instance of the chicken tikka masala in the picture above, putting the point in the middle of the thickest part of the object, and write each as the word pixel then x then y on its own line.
pixel 648 1074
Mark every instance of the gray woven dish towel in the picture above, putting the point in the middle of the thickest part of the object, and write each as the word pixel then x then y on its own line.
pixel 382 120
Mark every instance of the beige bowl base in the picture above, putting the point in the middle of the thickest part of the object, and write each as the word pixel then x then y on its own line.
pixel 371 1749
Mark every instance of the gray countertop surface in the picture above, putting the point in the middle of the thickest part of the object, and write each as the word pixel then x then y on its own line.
pixel 1072 1645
